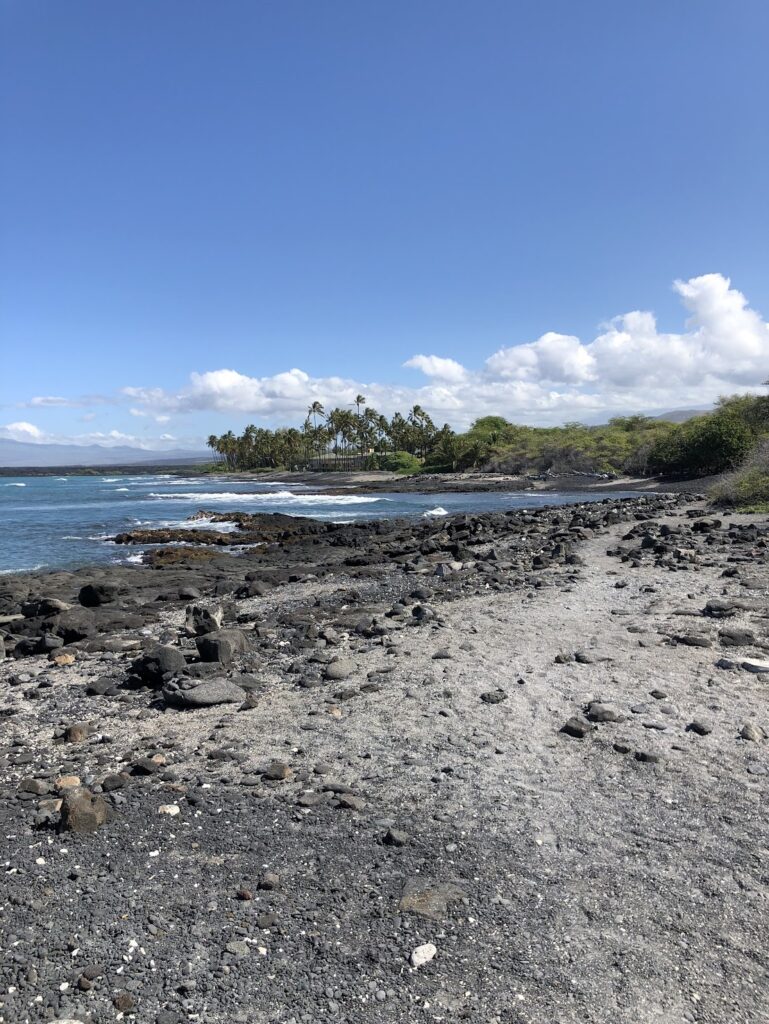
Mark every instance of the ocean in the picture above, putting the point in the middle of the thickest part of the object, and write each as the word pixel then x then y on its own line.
pixel 66 521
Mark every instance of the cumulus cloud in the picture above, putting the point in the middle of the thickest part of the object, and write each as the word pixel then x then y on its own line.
pixel 440 368
pixel 629 366
pixel 553 358
pixel 21 431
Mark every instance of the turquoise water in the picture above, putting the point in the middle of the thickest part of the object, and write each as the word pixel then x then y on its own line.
pixel 64 522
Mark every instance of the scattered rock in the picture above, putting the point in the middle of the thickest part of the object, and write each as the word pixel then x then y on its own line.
pixel 81 811
pixel 429 899
pixel 423 954
pixel 577 727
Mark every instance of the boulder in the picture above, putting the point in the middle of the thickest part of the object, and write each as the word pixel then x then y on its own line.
pixel 81 811
pixel 93 595
pixel 200 619
pixel 339 669
pixel 222 645
pixel 45 606
pixel 204 695
pixel 72 625
pixel 161 662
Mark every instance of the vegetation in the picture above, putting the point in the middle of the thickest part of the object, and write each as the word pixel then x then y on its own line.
pixel 340 439
pixel 748 486
pixel 735 434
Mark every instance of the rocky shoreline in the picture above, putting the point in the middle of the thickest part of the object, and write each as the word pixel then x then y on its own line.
pixel 505 767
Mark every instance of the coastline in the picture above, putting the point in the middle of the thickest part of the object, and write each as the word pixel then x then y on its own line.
pixel 516 736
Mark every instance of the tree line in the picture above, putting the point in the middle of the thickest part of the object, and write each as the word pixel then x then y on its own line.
pixel 359 437
pixel 339 439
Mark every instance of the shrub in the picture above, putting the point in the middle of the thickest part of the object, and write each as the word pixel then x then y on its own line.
pixel 749 485
pixel 400 462
pixel 702 446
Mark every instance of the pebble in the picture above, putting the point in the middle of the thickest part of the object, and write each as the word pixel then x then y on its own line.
pixel 423 954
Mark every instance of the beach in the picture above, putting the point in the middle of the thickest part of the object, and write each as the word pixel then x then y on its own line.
pixel 498 767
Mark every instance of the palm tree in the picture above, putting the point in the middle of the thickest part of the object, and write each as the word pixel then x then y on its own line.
pixel 359 401
pixel 315 410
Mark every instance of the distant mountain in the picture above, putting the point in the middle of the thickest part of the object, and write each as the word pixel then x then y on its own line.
pixel 38 456
pixel 681 415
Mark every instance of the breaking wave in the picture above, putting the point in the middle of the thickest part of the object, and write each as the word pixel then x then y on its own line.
pixel 282 497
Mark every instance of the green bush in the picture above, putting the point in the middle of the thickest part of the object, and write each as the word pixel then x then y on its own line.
pixel 702 446
pixel 399 462
pixel 749 485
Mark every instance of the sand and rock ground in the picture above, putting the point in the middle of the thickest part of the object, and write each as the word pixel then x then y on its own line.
pixel 389 823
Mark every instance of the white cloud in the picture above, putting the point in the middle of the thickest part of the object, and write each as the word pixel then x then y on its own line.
pixel 60 402
pixel 21 431
pixel 556 358
pixel 437 366
pixel 630 366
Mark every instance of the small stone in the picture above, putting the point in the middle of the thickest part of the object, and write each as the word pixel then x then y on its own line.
pixel 124 1002
pixel 339 669
pixel 757 667
pixel 396 837
pixel 494 696
pixel 598 712
pixel 350 802
pixel 269 881
pixel 751 731
pixel 237 948
pixel 278 771
pixel 429 899
pixel 699 727
pixel 170 809
pixel 577 727
pixel 66 782
pixel 62 658
pixel 423 954
pixel 111 782
pixel 647 757
pixel 245 895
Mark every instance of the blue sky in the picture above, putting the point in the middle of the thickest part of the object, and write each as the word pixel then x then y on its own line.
pixel 201 198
